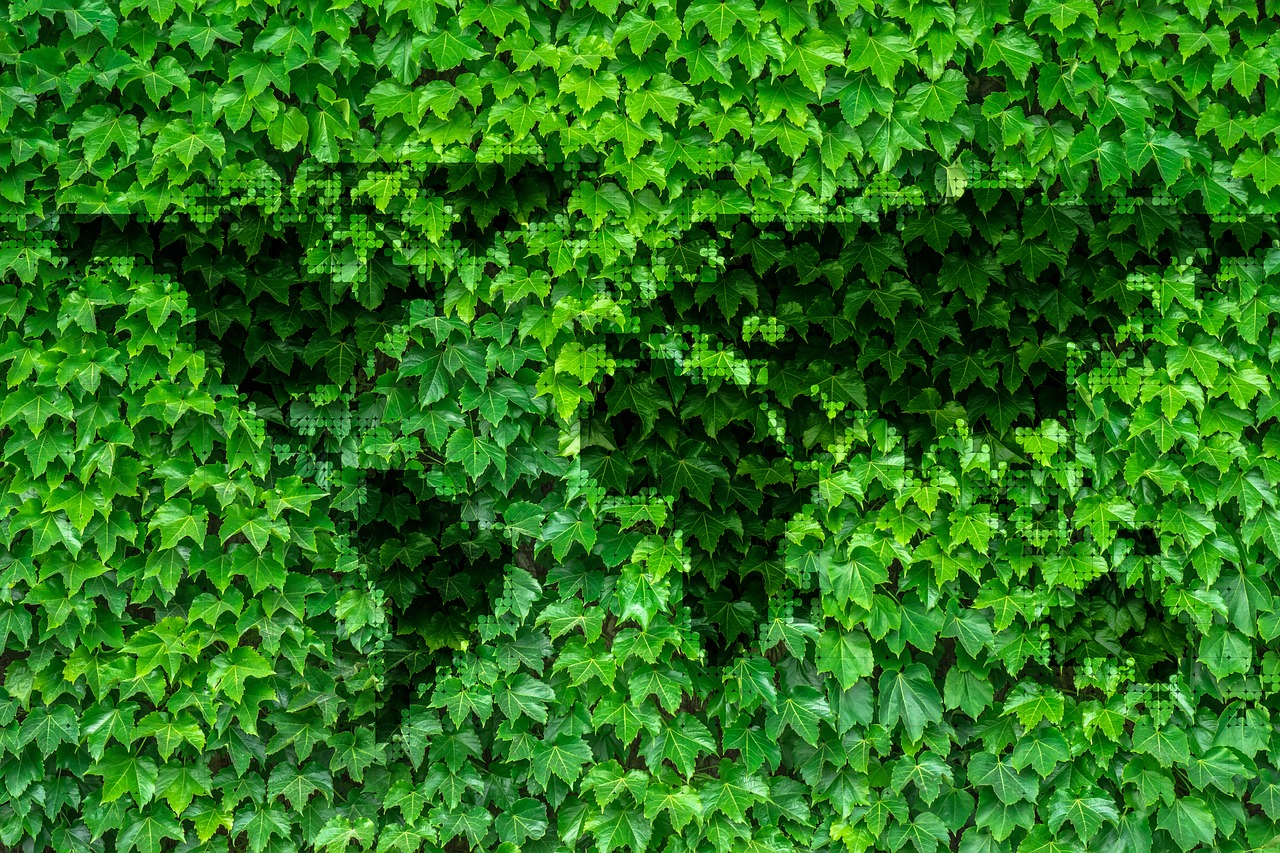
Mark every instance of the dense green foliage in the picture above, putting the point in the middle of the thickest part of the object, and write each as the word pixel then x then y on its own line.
pixel 715 426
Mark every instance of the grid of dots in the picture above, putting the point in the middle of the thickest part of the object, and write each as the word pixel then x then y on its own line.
pixel 186 328
pixel 580 481
pixel 255 426
pixel 1111 374
pixel 830 406
pixel 1258 682
pixel 242 189
pixel 795 218
pixel 724 370
pixel 771 329
pixel 843 443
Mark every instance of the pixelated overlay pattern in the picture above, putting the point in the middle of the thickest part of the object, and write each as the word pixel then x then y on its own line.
pixel 959 521
pixel 1027 503
pixel 378 183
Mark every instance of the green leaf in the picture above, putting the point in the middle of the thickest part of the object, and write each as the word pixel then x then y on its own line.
pixel 1014 48
pixel 563 529
pixel 882 52
pixel 353 752
pixel 562 758
pixel 682 741
pixel 472 450
pixel 812 56
pixel 147 833
pixel 886 136
pixel 450 46
pixel 910 698
pixel 229 671
pixel 692 474
pixel 524 695
pixel 1061 13
pixel 526 818
pixel 925 831
pixel 846 654
pixel 681 805
pixel 123 773
pixel 170 733
pixel 618 827
pixel 49 728
pixel 1042 749
pixel 101 127
pixel 1008 783
pixel 180 785
pixel 853 578
pixel 1263 167
pixel 1189 821
pixel 1086 814
pixel 297 784
pixel 261 824
pixel 181 139
pixel 1164 743
pixel 177 520
pixel 800 711
pixel 938 99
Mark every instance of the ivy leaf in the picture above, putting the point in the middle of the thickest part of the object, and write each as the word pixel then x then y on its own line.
pixel 180 785
pixel 261 824
pixel 35 405
pixel 1014 48
pixel 229 671
pixel 720 16
pixel 886 136
pixel 729 290
pixel 355 751
pixel 1005 780
pixel 562 758
pixel 1263 167
pixel 563 529
pixel 526 818
pixel 471 450
pixel 1061 13
pixel 846 654
pixel 694 474
pixel 170 733
pixel 123 773
pixel 147 833
pixel 681 805
pixel 800 710
pixel 910 698
pixel 1086 814
pixel 177 520
pixel 882 52
pixel 524 695
pixel 297 784
pixel 186 142
pixel 450 46
pixel 683 739
pixel 853 578
pixel 925 831
pixel 1217 766
pixel 49 728
pixel 102 126
pixel 1043 749
pixel 1189 821
pixel 1163 743
pixel 812 56
pixel 937 100
pixel 618 827
pixel 642 31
